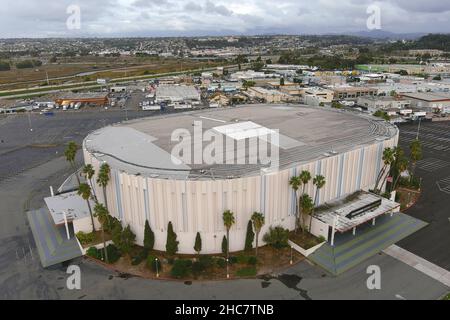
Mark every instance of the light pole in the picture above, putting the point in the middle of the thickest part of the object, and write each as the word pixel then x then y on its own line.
pixel 228 273
pixel 291 262
pixel 418 128
pixel 157 271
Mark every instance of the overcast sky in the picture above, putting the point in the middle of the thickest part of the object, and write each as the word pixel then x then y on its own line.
pixel 47 18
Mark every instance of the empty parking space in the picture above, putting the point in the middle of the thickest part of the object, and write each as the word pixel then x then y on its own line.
pixel 432 164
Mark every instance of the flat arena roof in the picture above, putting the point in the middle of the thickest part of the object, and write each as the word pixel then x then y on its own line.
pixel 307 134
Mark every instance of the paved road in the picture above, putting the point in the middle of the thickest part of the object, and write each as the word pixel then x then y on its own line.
pixel 21 275
pixel 433 241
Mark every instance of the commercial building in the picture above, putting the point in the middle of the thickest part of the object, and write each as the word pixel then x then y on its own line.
pixel 174 93
pixel 149 181
pixel 268 95
pixel 315 96
pixel 353 93
pixel 430 101
pixel 98 99
pixel 374 103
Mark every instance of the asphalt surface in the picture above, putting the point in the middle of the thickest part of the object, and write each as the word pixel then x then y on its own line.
pixel 24 184
pixel 432 242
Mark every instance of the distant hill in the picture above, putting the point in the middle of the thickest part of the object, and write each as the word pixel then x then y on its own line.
pixel 433 41
pixel 381 35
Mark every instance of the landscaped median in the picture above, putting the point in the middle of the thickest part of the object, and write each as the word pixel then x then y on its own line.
pixel 305 243
pixel 156 264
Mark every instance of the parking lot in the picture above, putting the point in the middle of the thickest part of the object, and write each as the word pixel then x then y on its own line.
pixel 433 241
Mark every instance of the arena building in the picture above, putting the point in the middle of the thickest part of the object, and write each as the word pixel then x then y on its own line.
pixel 149 182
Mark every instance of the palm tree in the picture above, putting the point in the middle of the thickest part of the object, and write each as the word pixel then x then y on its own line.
pixel 388 159
pixel 305 177
pixel 84 190
pixel 70 154
pixel 402 164
pixel 415 155
pixel 89 172
pixel 103 180
pixel 258 221
pixel 228 222
pixel 102 214
pixel 295 183
pixel 319 181
pixel 307 205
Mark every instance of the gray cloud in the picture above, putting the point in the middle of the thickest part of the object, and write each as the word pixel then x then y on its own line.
pixel 44 18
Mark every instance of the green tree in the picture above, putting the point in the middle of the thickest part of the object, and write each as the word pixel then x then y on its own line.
pixel 84 190
pixel 149 237
pixel 198 243
pixel 305 177
pixel 258 222
pixel 249 237
pixel 125 240
pixel 102 214
pixel 295 183
pixel 281 81
pixel 89 172
pixel 388 159
pixel 70 153
pixel 224 245
pixel 171 242
pixel 103 180
pixel 415 155
pixel 307 206
pixel 401 165
pixel 228 222
pixel 319 181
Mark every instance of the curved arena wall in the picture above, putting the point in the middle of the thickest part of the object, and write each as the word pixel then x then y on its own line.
pixel 197 206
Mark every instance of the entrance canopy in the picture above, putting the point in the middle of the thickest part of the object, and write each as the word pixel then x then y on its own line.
pixel 70 204
pixel 354 210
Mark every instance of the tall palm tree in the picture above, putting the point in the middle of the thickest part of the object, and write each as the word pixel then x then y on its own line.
pixel 103 180
pixel 307 205
pixel 228 222
pixel 388 159
pixel 258 221
pixel 305 177
pixel 84 190
pixel 102 214
pixel 402 165
pixel 415 155
pixel 70 153
pixel 295 183
pixel 89 172
pixel 319 181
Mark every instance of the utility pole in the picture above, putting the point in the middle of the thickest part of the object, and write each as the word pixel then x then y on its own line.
pixel 418 128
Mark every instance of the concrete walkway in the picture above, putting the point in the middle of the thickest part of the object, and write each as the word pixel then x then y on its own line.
pixel 420 264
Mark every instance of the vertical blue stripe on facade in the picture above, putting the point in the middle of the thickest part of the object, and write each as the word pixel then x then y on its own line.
pixel 361 166
pixel 341 174
pixel 318 172
pixel 146 202
pixel 118 195
pixel 379 158
pixel 263 194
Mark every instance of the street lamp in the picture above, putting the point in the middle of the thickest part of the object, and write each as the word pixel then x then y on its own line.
pixel 291 256
pixel 228 273
pixel 157 271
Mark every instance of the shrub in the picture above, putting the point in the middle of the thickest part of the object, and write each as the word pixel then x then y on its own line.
pixel 141 256
pixel 221 262
pixel 85 238
pixel 233 260
pixel 198 243
pixel 123 239
pixel 250 236
pixel 152 263
pixel 171 243
pixel 224 245
pixel 113 253
pixel 252 261
pixel 149 237
pixel 181 268
pixel 198 268
pixel 246 272
pixel 277 237
pixel 242 259
pixel 94 253
pixel 207 261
